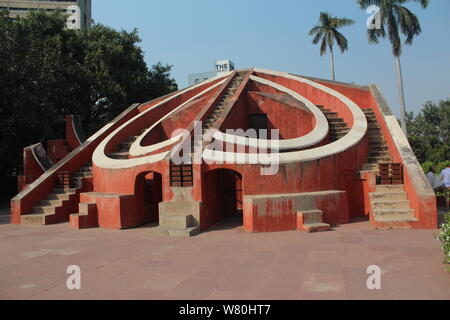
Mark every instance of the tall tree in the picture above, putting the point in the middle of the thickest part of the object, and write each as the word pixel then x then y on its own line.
pixel 397 19
pixel 429 132
pixel 48 72
pixel 327 32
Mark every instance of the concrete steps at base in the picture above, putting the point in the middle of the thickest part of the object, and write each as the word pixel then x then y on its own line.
pixel 175 233
pixel 33 219
pixel 386 214
pixel 177 221
pixel 394 221
pixel 390 208
pixel 390 188
pixel 311 221
pixel 86 217
pixel 382 204
pixel 388 196
pixel 176 225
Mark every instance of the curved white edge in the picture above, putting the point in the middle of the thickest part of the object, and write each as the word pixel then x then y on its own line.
pixel 160 145
pixel 75 131
pixel 100 159
pixel 356 134
pixel 44 153
pixel 137 150
pixel 319 132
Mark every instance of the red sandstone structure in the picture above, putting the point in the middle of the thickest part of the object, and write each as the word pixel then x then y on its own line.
pixel 340 155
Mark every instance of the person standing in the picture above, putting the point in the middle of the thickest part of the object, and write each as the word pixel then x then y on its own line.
pixel 445 176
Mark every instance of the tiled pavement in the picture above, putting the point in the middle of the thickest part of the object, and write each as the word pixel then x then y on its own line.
pixel 225 263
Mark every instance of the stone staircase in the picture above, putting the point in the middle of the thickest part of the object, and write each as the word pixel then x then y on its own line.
pixel 378 149
pixel 338 128
pixel 311 221
pixel 391 208
pixel 174 221
pixel 219 107
pixel 176 225
pixel 57 206
pixel 123 149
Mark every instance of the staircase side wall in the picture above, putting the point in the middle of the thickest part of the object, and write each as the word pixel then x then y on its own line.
pixel 39 189
pixel 420 193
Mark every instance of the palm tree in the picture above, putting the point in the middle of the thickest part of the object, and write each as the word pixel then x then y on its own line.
pixel 326 30
pixel 396 19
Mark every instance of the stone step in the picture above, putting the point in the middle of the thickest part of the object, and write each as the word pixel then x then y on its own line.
pixel 311 221
pixel 125 144
pixel 118 155
pixel 82 175
pixel 336 137
pixel 392 212
pixel 375 137
pixel 378 148
pixel 390 188
pixel 370 167
pixel 317 227
pixel 51 203
pixel 339 125
pixel 32 219
pixel 312 216
pixel 393 217
pixel 43 210
pixel 339 130
pixel 61 196
pixel 383 154
pixel 65 191
pixel 379 160
pixel 390 204
pixel 176 221
pixel 174 232
pixel 388 195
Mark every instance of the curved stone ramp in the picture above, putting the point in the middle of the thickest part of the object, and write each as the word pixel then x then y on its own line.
pixel 314 137
pixel 100 157
pixel 356 134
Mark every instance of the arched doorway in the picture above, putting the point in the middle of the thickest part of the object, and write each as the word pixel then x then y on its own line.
pixel 223 197
pixel 148 191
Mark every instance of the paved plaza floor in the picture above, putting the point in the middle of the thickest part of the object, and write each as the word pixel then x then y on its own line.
pixel 224 263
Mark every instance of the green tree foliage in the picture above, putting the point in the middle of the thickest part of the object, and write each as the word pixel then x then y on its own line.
pixel 48 72
pixel 429 134
pixel 444 237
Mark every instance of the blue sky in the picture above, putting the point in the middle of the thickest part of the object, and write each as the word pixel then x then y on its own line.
pixel 192 34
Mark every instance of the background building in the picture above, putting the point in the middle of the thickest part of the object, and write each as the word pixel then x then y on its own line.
pixel 78 11
pixel 221 67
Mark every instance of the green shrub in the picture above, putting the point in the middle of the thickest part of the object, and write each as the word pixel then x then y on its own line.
pixel 445 238
pixel 426 166
pixel 441 166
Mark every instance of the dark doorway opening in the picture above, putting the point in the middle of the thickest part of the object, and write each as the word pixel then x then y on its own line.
pixel 149 195
pixel 223 194
pixel 259 122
